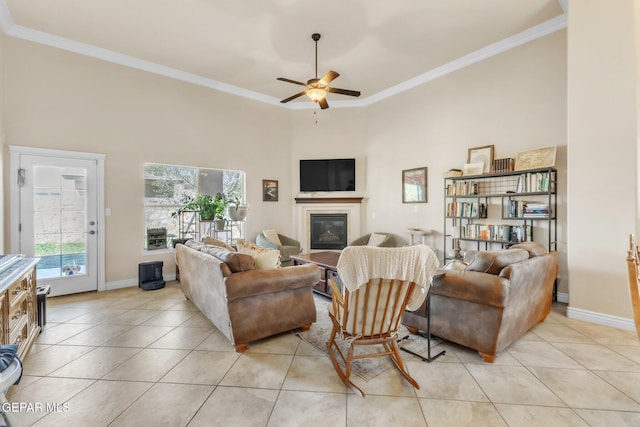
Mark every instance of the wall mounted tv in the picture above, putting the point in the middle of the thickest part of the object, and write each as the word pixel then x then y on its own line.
pixel 328 175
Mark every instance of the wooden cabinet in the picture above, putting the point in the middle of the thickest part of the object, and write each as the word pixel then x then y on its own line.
pixel 18 303
pixel 326 262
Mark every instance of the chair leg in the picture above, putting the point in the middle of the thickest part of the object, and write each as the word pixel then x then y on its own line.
pixel 334 360
pixel 396 358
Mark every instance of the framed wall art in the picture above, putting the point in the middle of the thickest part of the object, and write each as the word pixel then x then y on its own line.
pixel 269 190
pixel 482 155
pixel 414 185
pixel 534 159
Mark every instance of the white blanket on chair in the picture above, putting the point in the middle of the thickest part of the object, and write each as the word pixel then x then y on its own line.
pixel 358 264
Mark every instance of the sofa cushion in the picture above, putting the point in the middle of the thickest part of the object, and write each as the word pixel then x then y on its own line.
pixel 216 242
pixel 534 248
pixel 236 262
pixel 264 258
pixel 492 262
pixel 194 244
pixel 376 239
pixel 272 236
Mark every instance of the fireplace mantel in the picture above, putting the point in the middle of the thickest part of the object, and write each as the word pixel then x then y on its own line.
pixel 305 206
pixel 329 199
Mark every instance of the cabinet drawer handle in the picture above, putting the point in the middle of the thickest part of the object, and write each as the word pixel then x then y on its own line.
pixel 17 315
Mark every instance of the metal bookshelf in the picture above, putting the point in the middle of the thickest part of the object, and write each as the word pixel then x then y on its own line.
pixel 502 191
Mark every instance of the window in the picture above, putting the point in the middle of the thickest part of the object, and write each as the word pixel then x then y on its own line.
pixel 167 188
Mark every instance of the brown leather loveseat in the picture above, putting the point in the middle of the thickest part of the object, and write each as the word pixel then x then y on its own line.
pixel 498 297
pixel 243 302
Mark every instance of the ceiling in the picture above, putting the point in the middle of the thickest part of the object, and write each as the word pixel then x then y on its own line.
pixel 379 47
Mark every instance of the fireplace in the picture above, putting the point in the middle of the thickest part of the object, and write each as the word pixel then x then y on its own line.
pixel 328 231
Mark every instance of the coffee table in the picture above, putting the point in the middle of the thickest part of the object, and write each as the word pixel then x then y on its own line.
pixel 326 261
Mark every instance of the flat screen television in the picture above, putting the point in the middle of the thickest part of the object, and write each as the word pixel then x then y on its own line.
pixel 328 175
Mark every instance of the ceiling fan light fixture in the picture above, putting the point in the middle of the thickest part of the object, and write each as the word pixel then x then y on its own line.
pixel 316 94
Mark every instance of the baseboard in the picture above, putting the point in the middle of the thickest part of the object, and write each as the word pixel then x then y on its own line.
pixel 601 319
pixel 127 283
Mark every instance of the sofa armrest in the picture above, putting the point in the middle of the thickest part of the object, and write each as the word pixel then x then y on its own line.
pixel 257 282
pixel 472 286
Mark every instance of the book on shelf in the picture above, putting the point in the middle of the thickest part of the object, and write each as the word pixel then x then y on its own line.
pixel 536 182
pixel 497 232
pixel 524 209
pixel 466 210
pixel 503 165
pixel 462 188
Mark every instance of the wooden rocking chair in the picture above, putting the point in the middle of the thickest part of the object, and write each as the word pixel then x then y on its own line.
pixel 633 262
pixel 369 316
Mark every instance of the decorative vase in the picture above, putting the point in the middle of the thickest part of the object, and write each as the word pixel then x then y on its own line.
pixel 237 212
pixel 219 224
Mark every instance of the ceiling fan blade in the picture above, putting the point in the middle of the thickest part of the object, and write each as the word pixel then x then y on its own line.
pixel 323 103
pixel 293 97
pixel 282 79
pixel 343 91
pixel 328 78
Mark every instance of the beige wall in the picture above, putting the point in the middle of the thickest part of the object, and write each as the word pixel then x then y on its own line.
pixel 65 101
pixel 515 101
pixel 603 161
pixel 3 152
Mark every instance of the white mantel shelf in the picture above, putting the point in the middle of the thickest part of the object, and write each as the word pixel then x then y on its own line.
pixel 329 199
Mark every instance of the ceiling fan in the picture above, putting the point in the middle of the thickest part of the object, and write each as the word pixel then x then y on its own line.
pixel 317 88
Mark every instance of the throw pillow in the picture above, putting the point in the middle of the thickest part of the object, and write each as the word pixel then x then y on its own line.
pixel 455 264
pixel 193 244
pixel 264 258
pixel 235 261
pixel 272 236
pixel 376 239
pixel 493 262
pixel 216 242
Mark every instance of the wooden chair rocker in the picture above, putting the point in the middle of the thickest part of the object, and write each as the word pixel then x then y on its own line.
pixel 371 313
pixel 633 263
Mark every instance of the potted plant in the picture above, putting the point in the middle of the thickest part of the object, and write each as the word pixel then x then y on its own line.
pixel 237 210
pixel 209 208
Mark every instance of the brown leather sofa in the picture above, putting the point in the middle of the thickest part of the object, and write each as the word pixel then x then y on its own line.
pixel 245 303
pixel 494 301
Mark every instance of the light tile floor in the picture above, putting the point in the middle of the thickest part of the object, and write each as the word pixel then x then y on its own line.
pixel 149 358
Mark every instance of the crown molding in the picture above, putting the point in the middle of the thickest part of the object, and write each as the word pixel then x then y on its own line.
pixel 10 28
pixel 486 52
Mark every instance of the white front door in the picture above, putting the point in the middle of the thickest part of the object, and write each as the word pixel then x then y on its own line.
pixel 58 220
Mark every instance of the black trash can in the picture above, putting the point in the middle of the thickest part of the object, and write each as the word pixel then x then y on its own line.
pixel 41 292
pixel 150 275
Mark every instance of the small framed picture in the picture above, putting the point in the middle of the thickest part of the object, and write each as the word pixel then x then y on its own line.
pixel 534 159
pixel 482 155
pixel 269 190
pixel 414 185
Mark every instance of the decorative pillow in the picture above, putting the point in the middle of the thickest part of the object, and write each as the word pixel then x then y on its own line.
pixel 264 258
pixel 456 264
pixel 534 248
pixel 216 242
pixel 376 239
pixel 493 262
pixel 193 244
pixel 272 236
pixel 235 261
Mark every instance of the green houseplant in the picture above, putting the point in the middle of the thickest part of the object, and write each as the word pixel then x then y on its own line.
pixel 209 208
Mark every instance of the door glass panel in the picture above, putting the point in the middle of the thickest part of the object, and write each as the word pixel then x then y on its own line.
pixel 59 213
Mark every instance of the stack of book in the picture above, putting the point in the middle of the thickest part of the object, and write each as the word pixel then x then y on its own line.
pixel 523 209
pixel 536 210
